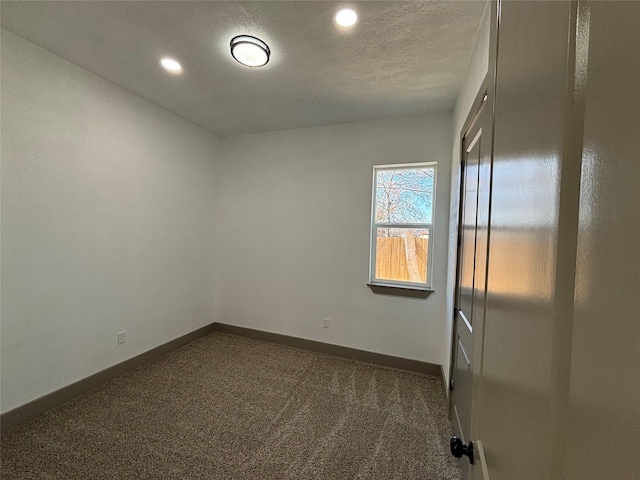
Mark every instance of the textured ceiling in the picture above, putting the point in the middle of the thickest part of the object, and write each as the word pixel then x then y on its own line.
pixel 401 58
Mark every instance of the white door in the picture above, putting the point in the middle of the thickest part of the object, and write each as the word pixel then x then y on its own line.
pixel 475 180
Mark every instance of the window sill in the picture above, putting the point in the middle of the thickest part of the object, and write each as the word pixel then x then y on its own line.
pixel 401 290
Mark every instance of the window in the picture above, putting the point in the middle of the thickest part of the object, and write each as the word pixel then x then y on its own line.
pixel 402 225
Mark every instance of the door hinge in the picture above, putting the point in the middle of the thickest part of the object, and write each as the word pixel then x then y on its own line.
pixel 451 383
pixel 459 240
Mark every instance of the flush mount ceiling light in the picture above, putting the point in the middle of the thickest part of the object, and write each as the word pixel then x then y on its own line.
pixel 171 65
pixel 346 17
pixel 250 51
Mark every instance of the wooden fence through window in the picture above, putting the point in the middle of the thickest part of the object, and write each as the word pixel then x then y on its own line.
pixel 397 260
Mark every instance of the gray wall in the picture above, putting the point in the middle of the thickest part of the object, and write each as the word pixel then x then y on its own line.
pixel 602 401
pixel 294 219
pixel 108 223
pixel 109 214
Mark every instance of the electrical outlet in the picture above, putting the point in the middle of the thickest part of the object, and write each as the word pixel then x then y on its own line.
pixel 121 337
pixel 325 323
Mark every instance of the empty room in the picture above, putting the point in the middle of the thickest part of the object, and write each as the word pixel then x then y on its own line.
pixel 319 240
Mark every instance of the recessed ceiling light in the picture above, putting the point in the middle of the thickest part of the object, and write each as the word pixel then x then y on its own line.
pixel 171 65
pixel 346 17
pixel 250 51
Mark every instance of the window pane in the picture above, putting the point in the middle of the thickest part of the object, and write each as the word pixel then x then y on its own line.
pixel 401 254
pixel 404 195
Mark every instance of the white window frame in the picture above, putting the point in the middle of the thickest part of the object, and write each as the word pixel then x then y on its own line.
pixel 375 225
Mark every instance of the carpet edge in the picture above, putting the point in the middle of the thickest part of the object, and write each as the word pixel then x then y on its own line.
pixel 24 412
pixel 331 349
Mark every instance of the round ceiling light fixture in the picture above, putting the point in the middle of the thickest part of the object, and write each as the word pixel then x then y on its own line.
pixel 346 17
pixel 171 65
pixel 250 51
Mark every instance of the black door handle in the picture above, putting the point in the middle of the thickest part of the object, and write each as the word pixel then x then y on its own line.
pixel 458 449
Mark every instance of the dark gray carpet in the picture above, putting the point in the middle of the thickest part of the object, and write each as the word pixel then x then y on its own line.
pixel 227 407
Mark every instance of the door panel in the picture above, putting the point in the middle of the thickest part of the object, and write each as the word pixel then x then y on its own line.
pixel 469 204
pixel 471 271
pixel 463 379
pixel 462 374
